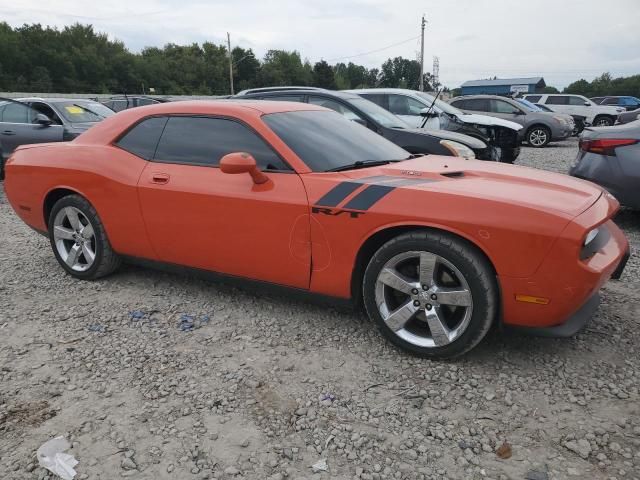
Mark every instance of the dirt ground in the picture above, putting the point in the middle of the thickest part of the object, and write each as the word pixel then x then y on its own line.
pixel 264 387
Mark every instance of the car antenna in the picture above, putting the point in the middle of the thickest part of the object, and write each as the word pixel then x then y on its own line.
pixel 426 115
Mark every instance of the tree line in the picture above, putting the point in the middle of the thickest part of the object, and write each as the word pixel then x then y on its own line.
pixel 77 59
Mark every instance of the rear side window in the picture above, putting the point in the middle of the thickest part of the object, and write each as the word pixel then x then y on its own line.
pixel 559 100
pixel 142 139
pixel 477 104
pixel 609 101
pixel 533 98
pixel 16 113
pixel 204 141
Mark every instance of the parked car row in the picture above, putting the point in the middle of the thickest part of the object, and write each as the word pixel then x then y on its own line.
pixel 318 196
pixel 38 120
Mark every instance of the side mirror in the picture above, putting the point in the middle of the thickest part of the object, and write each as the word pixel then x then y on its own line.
pixel 42 119
pixel 426 113
pixel 242 162
pixel 360 121
pixel 587 104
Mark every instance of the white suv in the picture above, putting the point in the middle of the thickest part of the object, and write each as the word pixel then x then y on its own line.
pixel 596 115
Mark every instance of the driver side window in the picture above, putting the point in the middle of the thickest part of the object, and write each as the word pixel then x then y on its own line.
pixel 402 105
pixel 500 106
pixel 335 106
pixel 48 111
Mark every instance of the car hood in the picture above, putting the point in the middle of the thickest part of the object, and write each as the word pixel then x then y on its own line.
pixel 488 121
pixel 497 183
pixel 467 140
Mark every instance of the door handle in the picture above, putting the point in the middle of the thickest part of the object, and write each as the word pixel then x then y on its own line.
pixel 160 178
pixel 8 132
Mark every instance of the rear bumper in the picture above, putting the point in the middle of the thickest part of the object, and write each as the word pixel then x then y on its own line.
pixel 564 283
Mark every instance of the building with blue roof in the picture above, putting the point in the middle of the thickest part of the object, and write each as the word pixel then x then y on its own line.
pixel 503 86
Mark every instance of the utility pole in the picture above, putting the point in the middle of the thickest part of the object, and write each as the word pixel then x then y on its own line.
pixel 422 25
pixel 230 63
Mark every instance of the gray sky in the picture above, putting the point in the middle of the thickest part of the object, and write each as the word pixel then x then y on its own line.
pixel 561 40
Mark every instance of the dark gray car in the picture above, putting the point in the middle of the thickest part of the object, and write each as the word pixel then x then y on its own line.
pixel 37 120
pixel 610 157
pixel 540 128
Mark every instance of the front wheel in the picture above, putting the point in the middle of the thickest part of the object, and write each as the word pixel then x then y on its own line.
pixel 603 122
pixel 79 240
pixel 431 293
pixel 538 136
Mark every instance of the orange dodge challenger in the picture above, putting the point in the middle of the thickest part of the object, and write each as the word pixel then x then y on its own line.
pixel 437 248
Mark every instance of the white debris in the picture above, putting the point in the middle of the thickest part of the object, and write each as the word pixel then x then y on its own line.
pixel 320 466
pixel 51 456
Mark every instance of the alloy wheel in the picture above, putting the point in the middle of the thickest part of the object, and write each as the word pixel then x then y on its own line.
pixel 424 299
pixel 74 238
pixel 538 137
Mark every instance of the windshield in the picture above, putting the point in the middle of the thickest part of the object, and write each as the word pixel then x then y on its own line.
pixel 326 140
pixel 379 114
pixel 444 106
pixel 528 105
pixel 80 111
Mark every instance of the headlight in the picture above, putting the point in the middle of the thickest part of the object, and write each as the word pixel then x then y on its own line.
pixel 591 236
pixel 458 149
pixel 562 120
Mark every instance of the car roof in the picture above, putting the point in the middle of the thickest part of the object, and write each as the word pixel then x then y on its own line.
pixel 55 99
pixel 482 96
pixel 315 91
pixel 384 90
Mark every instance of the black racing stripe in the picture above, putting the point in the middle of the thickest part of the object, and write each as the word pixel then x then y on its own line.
pixel 337 194
pixel 368 197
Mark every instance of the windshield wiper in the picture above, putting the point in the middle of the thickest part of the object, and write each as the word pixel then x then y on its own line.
pixel 426 116
pixel 360 164
pixel 88 110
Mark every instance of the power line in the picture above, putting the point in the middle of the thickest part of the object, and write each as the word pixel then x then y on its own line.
pixel 374 51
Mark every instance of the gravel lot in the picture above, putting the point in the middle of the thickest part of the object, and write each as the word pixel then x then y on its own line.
pixel 264 387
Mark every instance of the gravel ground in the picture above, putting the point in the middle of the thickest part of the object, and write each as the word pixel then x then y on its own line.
pixel 264 387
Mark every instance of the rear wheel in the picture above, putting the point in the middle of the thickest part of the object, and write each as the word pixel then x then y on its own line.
pixel 78 239
pixel 538 136
pixel 431 293
pixel 603 121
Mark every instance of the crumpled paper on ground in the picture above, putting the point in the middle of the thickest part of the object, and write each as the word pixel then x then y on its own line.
pixel 52 457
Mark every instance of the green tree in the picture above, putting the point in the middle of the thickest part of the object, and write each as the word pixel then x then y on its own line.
pixel 550 89
pixel 323 76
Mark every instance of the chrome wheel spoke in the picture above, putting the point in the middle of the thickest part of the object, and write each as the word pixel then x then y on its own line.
pixel 87 232
pixel 454 296
pixel 427 268
pixel 395 280
pixel 400 316
pixel 72 215
pixel 89 254
pixel 439 332
pixel 72 257
pixel 62 233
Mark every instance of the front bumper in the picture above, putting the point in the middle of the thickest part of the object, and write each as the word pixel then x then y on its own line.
pixel 564 283
pixel 574 324
pixel 562 133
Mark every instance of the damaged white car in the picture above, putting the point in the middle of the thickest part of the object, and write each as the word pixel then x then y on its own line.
pixel 422 110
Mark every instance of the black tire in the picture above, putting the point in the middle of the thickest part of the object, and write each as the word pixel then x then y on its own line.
pixel 603 121
pixel 535 136
pixel 473 265
pixel 106 260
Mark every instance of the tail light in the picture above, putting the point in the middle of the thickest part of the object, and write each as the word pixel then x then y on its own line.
pixel 605 146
